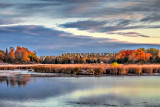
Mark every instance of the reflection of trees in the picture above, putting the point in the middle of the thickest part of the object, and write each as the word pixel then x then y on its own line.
pixel 20 80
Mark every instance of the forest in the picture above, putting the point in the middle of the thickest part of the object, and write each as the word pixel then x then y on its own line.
pixel 22 55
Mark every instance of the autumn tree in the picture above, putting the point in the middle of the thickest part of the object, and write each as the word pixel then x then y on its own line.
pixel 19 54
pixel 24 55
pixel 84 59
pixel 2 54
pixel 137 56
pixel 11 55
pixel 123 56
pixel 148 56
pixel 33 57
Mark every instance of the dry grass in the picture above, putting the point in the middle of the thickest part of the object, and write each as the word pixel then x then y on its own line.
pixel 96 69
pixel 13 67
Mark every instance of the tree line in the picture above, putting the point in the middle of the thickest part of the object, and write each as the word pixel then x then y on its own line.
pixel 20 55
pixel 77 58
pixel 141 55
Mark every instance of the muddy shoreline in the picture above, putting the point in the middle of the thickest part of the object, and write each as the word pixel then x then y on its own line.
pixel 12 73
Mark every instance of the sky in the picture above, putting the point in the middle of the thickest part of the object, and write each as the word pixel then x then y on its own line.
pixel 53 27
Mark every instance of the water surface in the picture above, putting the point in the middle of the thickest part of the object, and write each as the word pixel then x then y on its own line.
pixel 20 89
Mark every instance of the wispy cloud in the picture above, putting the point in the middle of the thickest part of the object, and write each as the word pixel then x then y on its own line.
pixel 106 26
pixel 130 34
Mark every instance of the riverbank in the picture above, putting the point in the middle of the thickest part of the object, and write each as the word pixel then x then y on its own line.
pixel 88 69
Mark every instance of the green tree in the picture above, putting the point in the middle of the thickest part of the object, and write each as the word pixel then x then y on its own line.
pixel 153 51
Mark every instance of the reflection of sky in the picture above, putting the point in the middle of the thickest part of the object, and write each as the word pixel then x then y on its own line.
pixel 134 91
pixel 15 72
pixel 54 26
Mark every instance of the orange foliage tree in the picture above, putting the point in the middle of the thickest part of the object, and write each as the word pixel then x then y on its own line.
pixel 123 55
pixel 132 56
pixel 120 55
pixel 139 55
pixel 2 55
pixel 11 54
pixel 24 55
pixel 148 56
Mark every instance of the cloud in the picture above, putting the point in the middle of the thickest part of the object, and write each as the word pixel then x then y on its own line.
pixel 135 10
pixel 130 34
pixel 104 16
pixel 5 5
pixel 85 25
pixel 152 18
pixel 40 39
pixel 105 26
pixel 156 3
pixel 9 21
pixel 47 41
pixel 86 8
pixel 104 7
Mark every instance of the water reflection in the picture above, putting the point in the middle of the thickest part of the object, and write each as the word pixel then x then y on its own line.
pixel 19 80
pixel 80 92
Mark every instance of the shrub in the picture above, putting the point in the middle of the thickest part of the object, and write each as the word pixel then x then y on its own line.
pixel 115 64
pixel 76 70
pixel 98 71
pixel 91 71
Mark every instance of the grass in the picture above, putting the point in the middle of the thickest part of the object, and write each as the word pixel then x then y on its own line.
pixel 91 69
pixel 14 67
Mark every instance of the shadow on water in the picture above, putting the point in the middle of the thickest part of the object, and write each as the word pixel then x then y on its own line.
pixel 19 80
